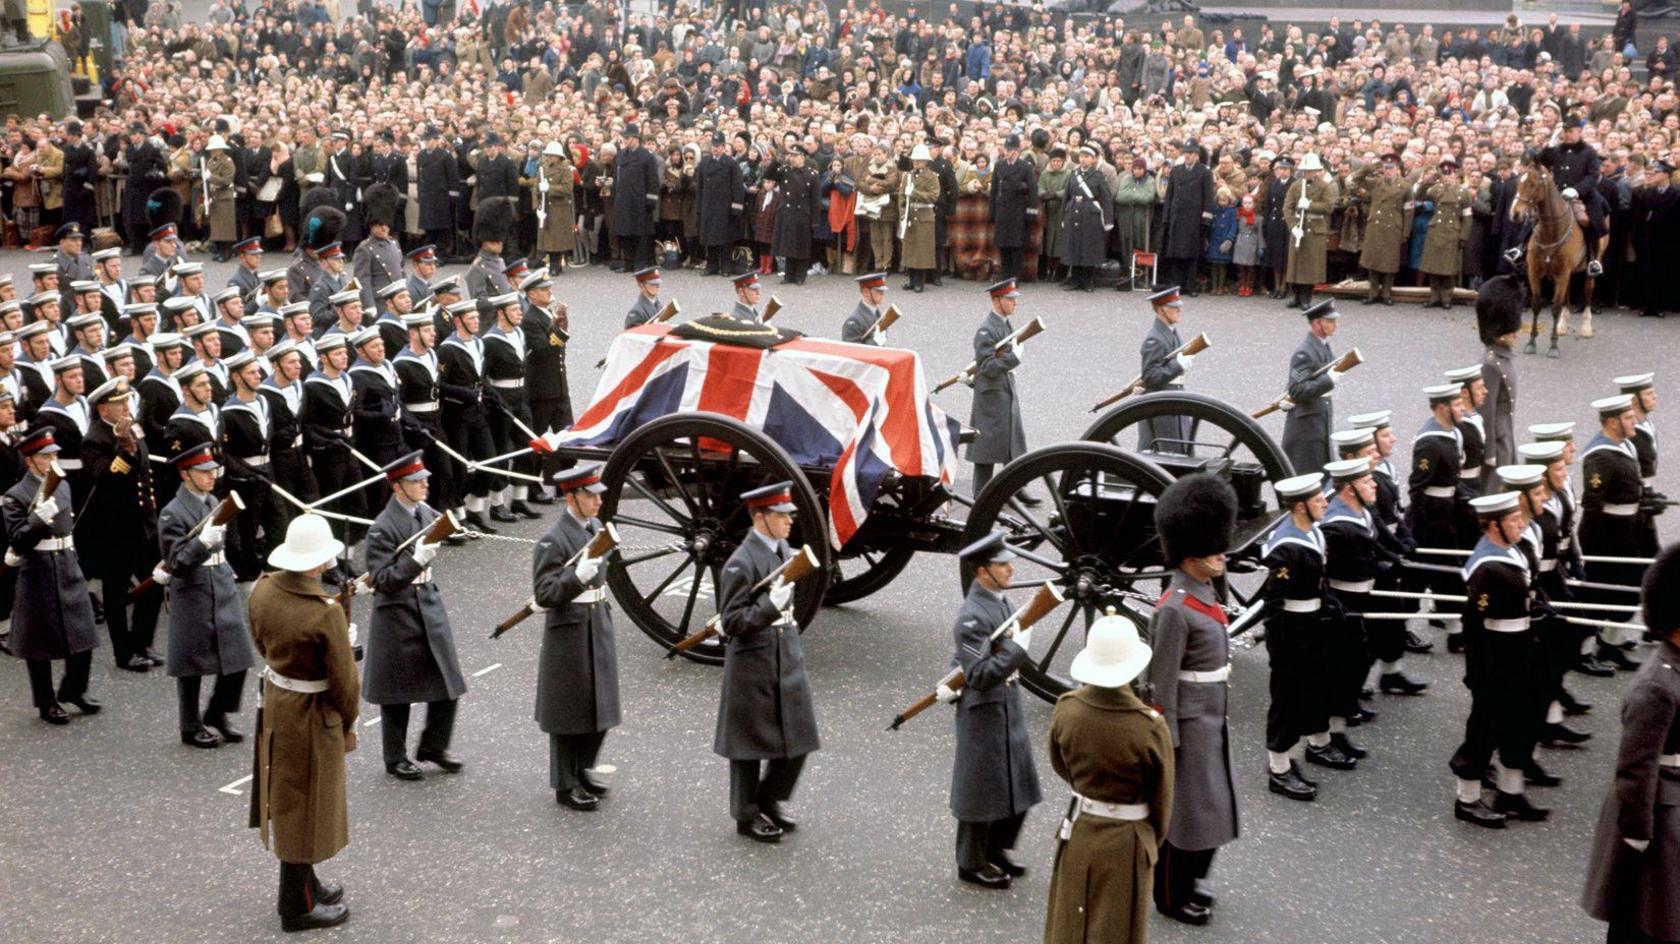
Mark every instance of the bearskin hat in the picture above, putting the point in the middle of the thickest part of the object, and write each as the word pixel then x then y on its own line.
pixel 322 226
pixel 1661 593
pixel 493 222
pixel 318 195
pixel 162 207
pixel 379 205
pixel 1499 307
pixel 1195 517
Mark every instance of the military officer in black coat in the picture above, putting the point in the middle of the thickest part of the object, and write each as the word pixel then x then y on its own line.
pixel 1087 216
pixel 1296 614
pixel 577 670
pixel 1306 427
pixel 1277 223
pixel 52 614
pixel 719 194
pixel 1188 214
pixel 996 412
pixel 148 169
pixel 635 183
pixel 1656 228
pixel 438 187
pixel 1013 205
pixel 545 326
pixel 801 203
pixel 410 646
pixel 124 548
pixel 993 781
pixel 345 177
pixel 872 302
pixel 766 724
pixel 81 176
pixel 646 305
pixel 1163 366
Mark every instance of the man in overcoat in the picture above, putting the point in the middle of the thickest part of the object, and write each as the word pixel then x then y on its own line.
pixel 1163 367
pixel 1013 204
pixel 306 722
pixel 1306 427
pixel 1188 214
pixel 1087 216
pixel 1307 206
pixel 1385 228
pixel 720 192
pixel 636 181
pixel 577 670
pixel 410 648
pixel 801 202
pixel 996 412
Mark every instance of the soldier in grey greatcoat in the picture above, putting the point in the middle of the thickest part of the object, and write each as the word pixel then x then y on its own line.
pixel 1306 428
pixel 996 413
pixel 872 304
pixel 493 226
pixel 378 260
pixel 410 647
pixel 646 306
pixel 1498 319
pixel 766 722
pixel 993 780
pixel 1189 681
pixel 208 634
pixel 1635 862
pixel 1162 369
pixel 747 292
pixel 52 615
pixel 577 670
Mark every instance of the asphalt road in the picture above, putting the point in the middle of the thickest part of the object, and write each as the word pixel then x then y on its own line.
pixel 112 830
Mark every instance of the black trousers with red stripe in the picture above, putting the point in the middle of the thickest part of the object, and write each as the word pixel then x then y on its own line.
pixel 1177 872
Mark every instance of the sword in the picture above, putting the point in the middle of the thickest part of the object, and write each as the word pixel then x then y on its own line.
pixel 542 195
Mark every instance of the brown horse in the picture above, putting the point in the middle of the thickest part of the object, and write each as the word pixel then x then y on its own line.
pixel 1556 250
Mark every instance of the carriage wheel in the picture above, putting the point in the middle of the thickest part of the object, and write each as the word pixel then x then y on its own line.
pixel 673 492
pixel 1217 430
pixel 1093 535
pixel 854 576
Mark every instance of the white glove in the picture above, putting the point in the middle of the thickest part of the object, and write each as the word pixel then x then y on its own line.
pixel 1303 203
pixel 945 695
pixel 1185 360
pixel 1332 375
pixel 1015 348
pixel 13 558
pixel 1639 845
pixel 46 511
pixel 781 594
pixel 354 635
pixel 424 553
pixel 212 536
pixel 881 337
pixel 1023 638
pixel 1570 194
pixel 160 576
pixel 588 568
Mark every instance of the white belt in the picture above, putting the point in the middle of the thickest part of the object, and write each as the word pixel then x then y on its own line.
pixel 255 461
pixel 425 576
pixel 1213 675
pixel 1620 511
pixel 55 544
pixel 1547 566
pixel 297 442
pixel 1302 606
pixel 786 620
pixel 1565 543
pixel 1668 760
pixel 1441 491
pixel 597 595
pixel 70 465
pixel 1470 473
pixel 1519 625
pixel 220 557
pixel 430 406
pixel 307 687
pixel 1351 586
pixel 508 384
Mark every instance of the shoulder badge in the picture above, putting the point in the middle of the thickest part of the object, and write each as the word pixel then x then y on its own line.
pixel 1597 481
pixel 1482 602
pixel 1282 573
pixel 1423 463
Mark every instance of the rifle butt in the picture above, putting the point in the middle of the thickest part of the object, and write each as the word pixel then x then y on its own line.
pixel 922 704
pixel 141 588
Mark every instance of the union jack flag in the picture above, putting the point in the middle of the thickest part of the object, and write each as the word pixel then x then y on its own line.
pixel 855 410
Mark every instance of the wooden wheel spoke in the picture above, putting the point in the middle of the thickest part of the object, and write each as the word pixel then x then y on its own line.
pixel 669 579
pixel 636 483
pixel 704 499
pixel 1016 506
pixel 1190 441
pixel 676 482
pixel 1056 644
pixel 1062 510
pixel 688 608
pixel 659 526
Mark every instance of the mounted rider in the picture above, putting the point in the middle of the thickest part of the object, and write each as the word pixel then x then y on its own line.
pixel 1574 166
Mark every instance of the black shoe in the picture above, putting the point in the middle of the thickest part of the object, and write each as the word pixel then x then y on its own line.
pixel 1290 785
pixel 1573 706
pixel 710 271
pixel 404 770
pixel 1455 642
pixel 55 714
pixel 1367 693
pixel 1202 894
pixel 444 762
pixel 777 814
pixel 578 799
pixel 1517 805
pixel 1330 756
pixel 1371 300
pixel 85 703
pixel 1479 814
pixel 523 510
pixel 592 785
pixel 1361 716
pixel 476 522
pixel 1188 912
pixel 989 877
pixel 1340 742
pixel 1396 683
pixel 1536 776
pixel 202 738
pixel 322 916
pixel 153 657
pixel 497 514
pixel 760 829
pixel 1301 773
pixel 135 663
pixel 1560 733
pixel 1008 866
pixel 328 893
pixel 1618 658
pixel 1418 644
pixel 228 732
pixel 1594 666
pixel 538 498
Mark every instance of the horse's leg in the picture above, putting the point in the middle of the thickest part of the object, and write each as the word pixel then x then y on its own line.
pixel 1534 317
pixel 1560 303
pixel 1587 312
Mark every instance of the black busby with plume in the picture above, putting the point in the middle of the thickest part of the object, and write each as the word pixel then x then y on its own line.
pixel 1661 593
pixel 317 196
pixel 163 207
pixel 494 220
pixel 1195 517
pixel 322 226
pixel 379 205
pixel 1499 307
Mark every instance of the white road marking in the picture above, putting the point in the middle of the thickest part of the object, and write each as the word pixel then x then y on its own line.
pixel 371 722
pixel 487 669
pixel 233 788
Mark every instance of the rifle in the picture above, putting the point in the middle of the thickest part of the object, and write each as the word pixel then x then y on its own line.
pixel 1194 346
pixel 770 308
pixel 904 204
pixel 542 195
pixel 1347 362
pixel 204 186
pixel 1019 336
pixel 671 310
pixel 1046 599
pixel 793 570
pixel 598 547
pixel 888 319
pixel 225 511
pixel 345 595
pixel 49 485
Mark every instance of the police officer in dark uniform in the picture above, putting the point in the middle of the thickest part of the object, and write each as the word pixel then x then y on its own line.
pixel 1306 427
pixel 1087 216
pixel 1013 204
pixel 719 194
pixel 1613 508
pixel 1295 615
pixel 1575 169
pixel 1163 366
pixel 547 329
pixel 872 302
pixel 767 724
pixel 119 471
pixel 635 183
pixel 577 670
pixel 438 187
pixel 996 411
pixel 801 203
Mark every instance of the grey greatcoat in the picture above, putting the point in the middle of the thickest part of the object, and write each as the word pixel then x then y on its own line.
pixel 577 670
pixel 996 414
pixel 992 777
pixel 641 311
pixel 1306 428
pixel 1187 637
pixel 410 647
pixel 1087 213
pixel 1626 886
pixel 1499 411
pixel 52 617
pixel 1161 372
pixel 765 710
pixel 208 634
pixel 858 323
